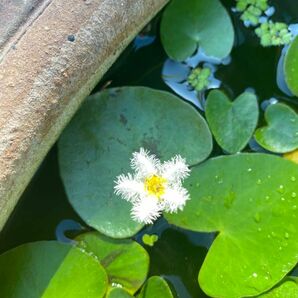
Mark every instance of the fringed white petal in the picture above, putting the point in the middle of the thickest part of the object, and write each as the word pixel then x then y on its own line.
pixel 174 199
pixel 144 164
pixel 146 210
pixel 150 202
pixel 129 188
pixel 175 170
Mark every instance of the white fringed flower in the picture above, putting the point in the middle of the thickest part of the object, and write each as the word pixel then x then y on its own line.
pixel 155 187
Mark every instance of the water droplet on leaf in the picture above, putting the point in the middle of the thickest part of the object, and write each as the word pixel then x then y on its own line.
pixel 273 234
pixel 281 189
pixel 257 217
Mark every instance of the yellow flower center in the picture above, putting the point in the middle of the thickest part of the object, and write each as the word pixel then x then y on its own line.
pixel 155 185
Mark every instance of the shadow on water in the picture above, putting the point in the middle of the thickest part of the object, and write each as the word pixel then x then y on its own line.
pixel 178 260
pixel 42 206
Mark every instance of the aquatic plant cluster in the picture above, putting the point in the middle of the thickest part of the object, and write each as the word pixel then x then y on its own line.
pixel 251 10
pixel 195 157
pixel 257 13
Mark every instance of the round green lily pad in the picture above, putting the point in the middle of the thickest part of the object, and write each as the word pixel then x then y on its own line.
pixel 156 287
pixel 98 144
pixel 125 261
pixel 232 123
pixel 287 288
pixel 187 24
pixel 252 201
pixel 291 67
pixel 49 269
pixel 281 133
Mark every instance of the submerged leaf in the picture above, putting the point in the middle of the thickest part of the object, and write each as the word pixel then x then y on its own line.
pixel 188 24
pixel 251 200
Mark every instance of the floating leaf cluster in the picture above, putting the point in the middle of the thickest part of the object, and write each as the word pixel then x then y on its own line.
pixel 256 13
pixel 251 10
pixel 199 78
pixel 96 267
pixel 274 34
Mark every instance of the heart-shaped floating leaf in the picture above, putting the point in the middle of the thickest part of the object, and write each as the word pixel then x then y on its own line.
pixel 118 293
pixel 291 67
pixel 155 287
pixel 188 24
pixel 251 200
pixel 125 261
pixel 232 123
pixel 281 134
pixel 50 269
pixel 149 239
pixel 98 144
pixel 287 288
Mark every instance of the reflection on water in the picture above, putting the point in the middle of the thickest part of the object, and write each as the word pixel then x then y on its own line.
pixel 175 75
pixel 67 225
pixel 142 41
pixel 176 258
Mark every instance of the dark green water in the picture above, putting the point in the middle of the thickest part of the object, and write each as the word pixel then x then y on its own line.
pixel 178 254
